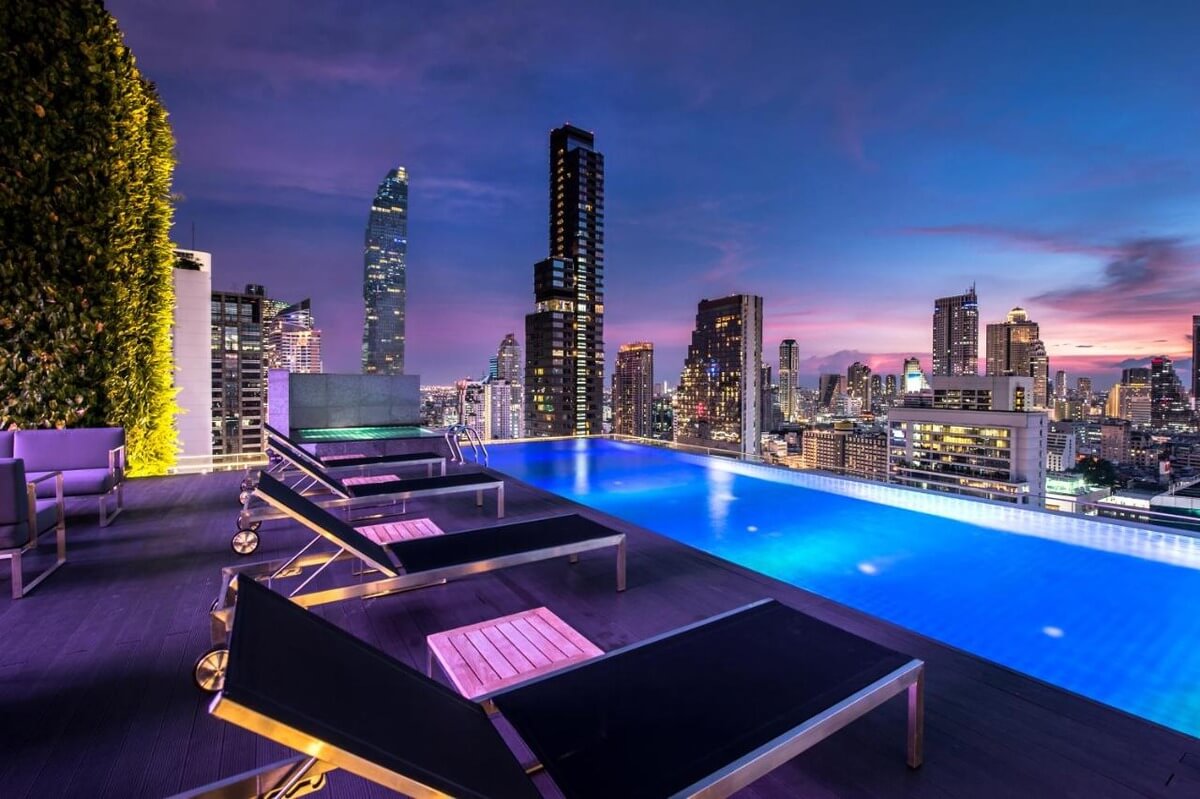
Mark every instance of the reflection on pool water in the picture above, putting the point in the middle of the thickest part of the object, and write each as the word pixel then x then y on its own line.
pixel 1109 612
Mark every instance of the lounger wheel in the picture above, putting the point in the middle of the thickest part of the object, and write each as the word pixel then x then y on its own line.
pixel 248 484
pixel 209 671
pixel 242 497
pixel 244 542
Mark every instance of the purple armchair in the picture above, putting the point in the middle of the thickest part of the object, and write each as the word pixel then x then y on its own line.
pixel 24 518
pixel 91 459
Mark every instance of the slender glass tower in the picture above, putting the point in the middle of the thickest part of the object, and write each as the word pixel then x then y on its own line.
pixel 789 379
pixel 564 336
pixel 384 276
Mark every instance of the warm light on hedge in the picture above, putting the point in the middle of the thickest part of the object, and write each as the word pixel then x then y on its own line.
pixel 86 293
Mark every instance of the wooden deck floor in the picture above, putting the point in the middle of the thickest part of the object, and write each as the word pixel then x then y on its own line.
pixel 96 697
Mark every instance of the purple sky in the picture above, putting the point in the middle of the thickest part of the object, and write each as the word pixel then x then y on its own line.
pixel 847 161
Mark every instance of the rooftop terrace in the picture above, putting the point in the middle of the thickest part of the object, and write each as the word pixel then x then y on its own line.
pixel 97 699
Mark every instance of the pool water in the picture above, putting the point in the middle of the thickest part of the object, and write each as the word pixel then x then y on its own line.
pixel 1121 629
pixel 326 435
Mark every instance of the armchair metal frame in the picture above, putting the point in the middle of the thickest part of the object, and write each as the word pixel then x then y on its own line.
pixel 19 587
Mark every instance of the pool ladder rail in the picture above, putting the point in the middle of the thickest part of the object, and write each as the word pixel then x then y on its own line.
pixel 453 437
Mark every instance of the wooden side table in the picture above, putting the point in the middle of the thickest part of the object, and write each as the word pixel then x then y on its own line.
pixel 485 657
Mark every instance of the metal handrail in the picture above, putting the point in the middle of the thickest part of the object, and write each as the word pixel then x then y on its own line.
pixel 473 438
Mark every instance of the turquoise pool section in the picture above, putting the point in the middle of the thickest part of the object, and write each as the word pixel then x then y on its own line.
pixel 1064 602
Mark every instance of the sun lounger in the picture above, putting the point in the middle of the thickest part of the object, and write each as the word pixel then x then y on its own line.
pixel 402 565
pixel 701 711
pixel 373 491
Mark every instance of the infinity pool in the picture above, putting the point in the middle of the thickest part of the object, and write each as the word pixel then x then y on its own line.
pixel 328 435
pixel 1108 612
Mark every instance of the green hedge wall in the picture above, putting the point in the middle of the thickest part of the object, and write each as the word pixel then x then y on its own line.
pixel 86 287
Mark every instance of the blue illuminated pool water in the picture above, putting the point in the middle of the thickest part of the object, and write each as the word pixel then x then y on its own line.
pixel 1120 629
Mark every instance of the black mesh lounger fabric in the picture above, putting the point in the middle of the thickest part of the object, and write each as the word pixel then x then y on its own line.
pixel 307 463
pixel 651 720
pixel 472 546
pixel 297 669
pixel 379 460
pixel 329 525
pixel 421 484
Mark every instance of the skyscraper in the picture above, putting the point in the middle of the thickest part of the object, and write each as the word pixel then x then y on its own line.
pixel 1014 347
pixel 717 404
pixel 1168 408
pixel 385 276
pixel 633 390
pixel 1196 360
pixel 789 379
pixel 508 359
pixel 858 383
pixel 191 346
pixel 564 336
pixel 956 334
pixel 913 377
pixel 237 371
pixel 292 341
pixel 1060 385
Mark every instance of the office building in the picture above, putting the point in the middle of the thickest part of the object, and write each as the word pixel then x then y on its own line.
pixel 914 377
pixel 823 448
pixel 789 379
pixel 1169 407
pixel 292 342
pixel 956 334
pixel 238 379
pixel 633 390
pixel 890 384
pixel 858 384
pixel 1130 399
pixel 508 360
pixel 1196 360
pixel 504 409
pixel 662 417
pixel 385 277
pixel 1083 387
pixel 769 408
pixel 191 349
pixel 980 393
pixel 1014 347
pixel 996 455
pixel 1116 440
pixel 1061 449
pixel 829 388
pixel 564 336
pixel 867 455
pixel 1060 385
pixel 717 404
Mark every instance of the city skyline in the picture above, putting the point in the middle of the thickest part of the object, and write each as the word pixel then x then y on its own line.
pixel 1062 210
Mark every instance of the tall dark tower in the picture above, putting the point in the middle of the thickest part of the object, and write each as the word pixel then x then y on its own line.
pixel 956 334
pixel 385 278
pixel 564 336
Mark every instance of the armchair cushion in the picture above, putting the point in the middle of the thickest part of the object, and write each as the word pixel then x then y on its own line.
pixel 14 536
pixel 66 450
pixel 77 482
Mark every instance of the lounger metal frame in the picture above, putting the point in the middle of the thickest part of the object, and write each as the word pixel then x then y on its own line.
pixel 392 581
pixel 909 678
pixel 251 515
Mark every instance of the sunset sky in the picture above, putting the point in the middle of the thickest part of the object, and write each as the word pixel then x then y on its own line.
pixel 849 162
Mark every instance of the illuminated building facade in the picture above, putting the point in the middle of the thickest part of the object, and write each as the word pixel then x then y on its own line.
pixel 1168 405
pixel 829 388
pixel 292 341
pixel 996 455
pixel 1196 360
pixel 1014 347
pixel 718 401
pixel 956 334
pixel 858 384
pixel 508 360
pixel 564 336
pixel 867 455
pixel 633 390
pixel 914 376
pixel 789 379
pixel 1061 449
pixel 385 277
pixel 823 448
pixel 238 378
